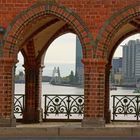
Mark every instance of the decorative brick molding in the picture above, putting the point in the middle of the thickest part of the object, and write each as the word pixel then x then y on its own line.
pixel 112 25
pixel 20 24
pixel 65 29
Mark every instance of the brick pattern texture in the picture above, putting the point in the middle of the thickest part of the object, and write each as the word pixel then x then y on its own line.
pixel 95 22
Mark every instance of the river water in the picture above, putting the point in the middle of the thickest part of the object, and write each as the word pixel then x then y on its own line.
pixel 51 89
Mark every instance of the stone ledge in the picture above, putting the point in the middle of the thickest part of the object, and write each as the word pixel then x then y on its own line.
pixel 65 131
pixel 95 132
pixel 93 122
pixel 8 122
pixel 20 132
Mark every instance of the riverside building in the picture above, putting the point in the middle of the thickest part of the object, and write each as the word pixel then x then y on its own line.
pixel 131 63
pixel 79 66
pixel 116 72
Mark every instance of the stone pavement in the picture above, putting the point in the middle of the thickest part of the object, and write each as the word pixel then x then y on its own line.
pixel 71 129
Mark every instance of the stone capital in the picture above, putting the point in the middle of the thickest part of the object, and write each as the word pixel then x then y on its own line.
pixel 27 65
pixel 94 61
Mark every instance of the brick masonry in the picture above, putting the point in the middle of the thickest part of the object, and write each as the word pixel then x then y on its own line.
pixel 95 22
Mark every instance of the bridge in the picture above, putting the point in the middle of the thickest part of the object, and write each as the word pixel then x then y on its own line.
pixel 31 26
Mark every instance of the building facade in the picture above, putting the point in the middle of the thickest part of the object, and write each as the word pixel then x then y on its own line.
pixel 116 72
pixel 79 70
pixel 131 63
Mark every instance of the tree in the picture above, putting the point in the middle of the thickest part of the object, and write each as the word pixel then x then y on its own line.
pixel 72 78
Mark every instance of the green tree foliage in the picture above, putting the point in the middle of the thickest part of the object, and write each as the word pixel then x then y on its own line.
pixel 72 78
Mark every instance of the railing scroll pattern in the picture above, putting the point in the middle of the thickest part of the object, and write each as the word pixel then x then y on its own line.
pixel 126 107
pixel 64 106
pixel 19 104
pixel 54 106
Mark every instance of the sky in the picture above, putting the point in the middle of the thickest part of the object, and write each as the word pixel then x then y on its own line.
pixel 62 51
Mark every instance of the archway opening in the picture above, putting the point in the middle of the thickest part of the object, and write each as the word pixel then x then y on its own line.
pixel 124 80
pixel 35 40
pixel 19 96
pixel 65 73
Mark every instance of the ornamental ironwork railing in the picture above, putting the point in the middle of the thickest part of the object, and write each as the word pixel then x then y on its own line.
pixel 123 107
pixel 126 107
pixel 63 106
pixel 19 104
pixel 54 106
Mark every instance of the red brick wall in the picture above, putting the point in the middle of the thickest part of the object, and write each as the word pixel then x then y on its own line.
pixel 6 80
pixel 94 13
pixel 94 21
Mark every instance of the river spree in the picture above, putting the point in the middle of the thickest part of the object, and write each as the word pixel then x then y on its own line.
pixel 53 89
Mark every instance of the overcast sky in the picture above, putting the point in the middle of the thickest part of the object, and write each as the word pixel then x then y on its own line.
pixel 62 50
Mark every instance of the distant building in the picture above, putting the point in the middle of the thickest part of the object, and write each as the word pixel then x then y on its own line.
pixel 131 63
pixel 20 78
pixel 117 65
pixel 116 71
pixel 79 66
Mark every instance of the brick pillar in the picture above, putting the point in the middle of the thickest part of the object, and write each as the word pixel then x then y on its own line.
pixel 7 92
pixel 107 112
pixel 94 92
pixel 33 111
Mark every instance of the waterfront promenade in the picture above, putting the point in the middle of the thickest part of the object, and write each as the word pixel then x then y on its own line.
pixel 69 138
pixel 61 129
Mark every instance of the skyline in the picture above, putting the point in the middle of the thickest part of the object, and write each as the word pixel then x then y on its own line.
pixel 118 52
pixel 63 51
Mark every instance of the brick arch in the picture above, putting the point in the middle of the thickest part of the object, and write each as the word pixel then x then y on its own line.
pixel 63 30
pixel 39 10
pixel 103 41
pixel 112 25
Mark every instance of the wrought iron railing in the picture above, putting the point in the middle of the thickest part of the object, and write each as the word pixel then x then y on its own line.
pixel 126 107
pixel 123 107
pixel 19 104
pixel 63 106
pixel 54 106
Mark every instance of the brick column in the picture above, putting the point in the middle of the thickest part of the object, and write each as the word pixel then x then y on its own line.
pixel 107 112
pixel 33 111
pixel 94 92
pixel 7 92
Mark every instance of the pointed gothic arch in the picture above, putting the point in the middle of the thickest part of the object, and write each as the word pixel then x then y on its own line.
pixel 22 23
